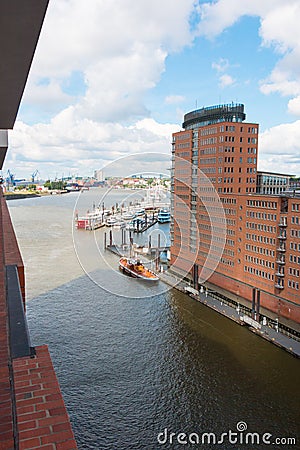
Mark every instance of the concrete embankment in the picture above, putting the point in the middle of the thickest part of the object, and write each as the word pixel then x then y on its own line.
pixel 263 330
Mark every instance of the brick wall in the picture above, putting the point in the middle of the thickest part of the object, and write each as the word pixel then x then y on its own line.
pixel 32 410
pixel 12 254
pixel 42 418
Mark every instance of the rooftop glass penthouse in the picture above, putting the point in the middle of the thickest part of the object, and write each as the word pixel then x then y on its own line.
pixel 233 112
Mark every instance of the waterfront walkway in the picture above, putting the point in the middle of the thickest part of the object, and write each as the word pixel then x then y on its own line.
pixel 208 299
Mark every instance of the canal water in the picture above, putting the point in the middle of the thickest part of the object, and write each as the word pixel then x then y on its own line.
pixel 137 363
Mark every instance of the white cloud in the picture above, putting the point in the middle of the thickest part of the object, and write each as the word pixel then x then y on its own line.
pixel 279 147
pixel 119 50
pixel 279 29
pixel 280 26
pixel 226 80
pixel 220 15
pixel 48 94
pixel 120 47
pixel 68 144
pixel 285 77
pixel 174 99
pixel 294 106
pixel 221 66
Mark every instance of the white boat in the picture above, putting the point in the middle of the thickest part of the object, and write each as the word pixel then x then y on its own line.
pixel 128 216
pixel 140 212
pixel 119 224
pixel 131 226
pixel 91 221
pixel 164 215
pixel 110 221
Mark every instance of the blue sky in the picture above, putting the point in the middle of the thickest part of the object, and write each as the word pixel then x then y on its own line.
pixel 116 77
pixel 192 75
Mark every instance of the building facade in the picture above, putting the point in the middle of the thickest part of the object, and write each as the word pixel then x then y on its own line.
pixel 225 234
pixel 273 183
pixel 99 175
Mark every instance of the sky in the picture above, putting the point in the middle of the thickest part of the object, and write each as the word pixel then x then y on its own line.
pixel 114 78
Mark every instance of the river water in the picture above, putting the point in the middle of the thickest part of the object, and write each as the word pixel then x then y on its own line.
pixel 136 362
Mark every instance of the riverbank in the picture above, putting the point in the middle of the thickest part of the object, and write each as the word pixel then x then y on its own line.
pixel 21 195
pixel 209 299
pixel 18 196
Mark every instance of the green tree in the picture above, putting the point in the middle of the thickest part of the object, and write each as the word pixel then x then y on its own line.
pixel 53 185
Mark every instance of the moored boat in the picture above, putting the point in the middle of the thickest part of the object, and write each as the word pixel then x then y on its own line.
pixel 128 216
pixel 164 215
pixel 91 221
pixel 119 224
pixel 136 269
pixel 111 221
pixel 140 212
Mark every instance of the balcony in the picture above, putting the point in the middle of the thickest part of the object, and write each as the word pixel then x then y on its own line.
pixel 280 261
pixel 279 274
pixel 281 249
pixel 279 286
pixel 282 224
pixel 282 236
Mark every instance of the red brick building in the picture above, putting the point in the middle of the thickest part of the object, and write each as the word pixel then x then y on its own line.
pixel 224 234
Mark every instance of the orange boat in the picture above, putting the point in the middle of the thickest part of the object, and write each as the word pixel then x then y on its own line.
pixel 135 268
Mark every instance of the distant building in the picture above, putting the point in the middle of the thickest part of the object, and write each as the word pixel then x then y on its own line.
pixel 295 184
pixel 234 229
pixel 273 183
pixel 99 175
pixel 134 182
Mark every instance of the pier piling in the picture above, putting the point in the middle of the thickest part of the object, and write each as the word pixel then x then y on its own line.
pixel 157 259
pixel 253 303
pixel 258 304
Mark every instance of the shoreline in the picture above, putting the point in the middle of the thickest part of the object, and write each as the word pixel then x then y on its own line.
pixel 275 337
pixel 18 196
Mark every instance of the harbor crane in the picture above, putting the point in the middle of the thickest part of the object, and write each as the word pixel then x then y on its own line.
pixel 10 178
pixel 35 173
